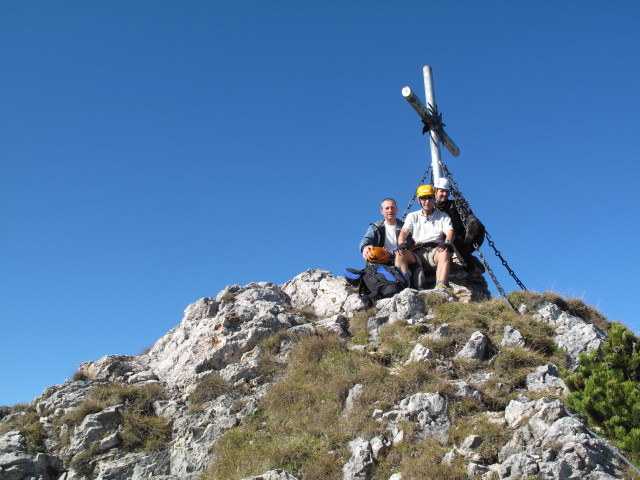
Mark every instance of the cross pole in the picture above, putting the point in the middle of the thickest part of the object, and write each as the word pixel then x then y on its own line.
pixel 432 120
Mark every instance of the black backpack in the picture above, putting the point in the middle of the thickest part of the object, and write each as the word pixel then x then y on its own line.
pixel 377 281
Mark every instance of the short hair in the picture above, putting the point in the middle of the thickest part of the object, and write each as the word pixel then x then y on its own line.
pixel 389 200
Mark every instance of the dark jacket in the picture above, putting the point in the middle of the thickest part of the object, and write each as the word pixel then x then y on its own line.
pixel 462 229
pixel 375 234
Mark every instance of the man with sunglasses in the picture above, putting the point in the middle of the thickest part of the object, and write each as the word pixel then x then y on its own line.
pixel 433 234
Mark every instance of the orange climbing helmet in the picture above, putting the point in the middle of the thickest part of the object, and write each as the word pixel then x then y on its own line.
pixel 424 190
pixel 378 255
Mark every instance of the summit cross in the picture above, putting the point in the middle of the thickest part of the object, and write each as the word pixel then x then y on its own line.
pixel 432 120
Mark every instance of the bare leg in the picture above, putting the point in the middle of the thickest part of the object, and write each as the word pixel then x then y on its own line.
pixel 404 258
pixel 443 266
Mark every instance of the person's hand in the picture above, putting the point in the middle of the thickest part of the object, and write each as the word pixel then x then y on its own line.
pixel 404 246
pixel 365 252
pixel 446 245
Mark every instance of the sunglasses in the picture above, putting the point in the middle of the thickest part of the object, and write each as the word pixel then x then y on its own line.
pixel 426 197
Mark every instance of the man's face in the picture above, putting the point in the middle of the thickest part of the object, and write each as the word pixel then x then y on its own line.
pixel 441 194
pixel 389 210
pixel 426 202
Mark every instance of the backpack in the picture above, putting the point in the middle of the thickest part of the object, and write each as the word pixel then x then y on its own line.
pixel 377 281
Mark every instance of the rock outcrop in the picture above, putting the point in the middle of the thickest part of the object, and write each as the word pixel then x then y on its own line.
pixel 220 343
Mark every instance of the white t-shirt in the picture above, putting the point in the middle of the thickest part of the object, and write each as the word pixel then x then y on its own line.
pixel 428 229
pixel 390 238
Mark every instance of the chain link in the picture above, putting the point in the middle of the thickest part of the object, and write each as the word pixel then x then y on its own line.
pixel 504 262
pixel 493 277
pixel 457 198
pixel 413 197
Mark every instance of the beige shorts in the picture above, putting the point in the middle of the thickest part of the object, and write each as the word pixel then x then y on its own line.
pixel 425 255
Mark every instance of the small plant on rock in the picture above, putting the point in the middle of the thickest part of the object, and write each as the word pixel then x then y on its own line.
pixel 211 386
pixel 28 424
pixel 606 389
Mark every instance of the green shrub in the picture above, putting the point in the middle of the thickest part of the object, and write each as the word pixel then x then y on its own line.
pixel 606 389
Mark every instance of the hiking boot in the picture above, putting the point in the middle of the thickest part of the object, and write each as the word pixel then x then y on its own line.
pixel 441 287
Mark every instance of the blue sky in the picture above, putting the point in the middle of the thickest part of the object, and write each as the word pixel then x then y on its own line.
pixel 154 152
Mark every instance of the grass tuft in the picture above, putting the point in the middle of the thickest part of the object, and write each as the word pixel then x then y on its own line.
pixel 210 387
pixel 28 424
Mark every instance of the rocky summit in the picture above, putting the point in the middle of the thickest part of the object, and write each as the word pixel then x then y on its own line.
pixel 305 381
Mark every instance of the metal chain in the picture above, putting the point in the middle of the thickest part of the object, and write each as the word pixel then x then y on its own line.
pixel 504 262
pixel 457 198
pixel 413 197
pixel 493 277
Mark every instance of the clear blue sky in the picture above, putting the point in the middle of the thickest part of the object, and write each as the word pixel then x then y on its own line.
pixel 154 152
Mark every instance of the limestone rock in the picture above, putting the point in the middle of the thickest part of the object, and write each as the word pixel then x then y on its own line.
pixel 94 428
pixel 337 324
pixel 222 335
pixel 440 333
pixel 277 474
pixel 322 293
pixel 201 343
pixel 360 465
pixel 475 347
pixel 427 410
pixel 462 390
pixel 512 337
pixel 547 377
pixel 549 442
pixel 420 353
pixel 573 335
pixel 136 466
pixel 16 463
pixel 116 368
pixel 407 304
pixel 354 394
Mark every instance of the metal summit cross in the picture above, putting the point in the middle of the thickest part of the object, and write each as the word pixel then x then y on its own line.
pixel 432 122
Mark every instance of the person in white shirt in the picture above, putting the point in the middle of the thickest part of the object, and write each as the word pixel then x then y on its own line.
pixel 432 233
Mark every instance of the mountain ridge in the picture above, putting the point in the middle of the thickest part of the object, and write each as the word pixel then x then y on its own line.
pixel 434 385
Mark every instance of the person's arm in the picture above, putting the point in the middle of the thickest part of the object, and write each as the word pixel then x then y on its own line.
pixel 402 236
pixel 449 234
pixel 367 241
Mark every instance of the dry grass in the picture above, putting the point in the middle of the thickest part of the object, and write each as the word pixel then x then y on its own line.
pixel 573 306
pixel 420 461
pixel 29 426
pixel 210 387
pixel 493 435
pixel 300 419
pixel 358 326
pixel 141 429
pixel 300 424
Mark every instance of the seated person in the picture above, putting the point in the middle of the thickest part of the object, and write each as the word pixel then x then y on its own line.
pixel 433 233
pixel 383 233
pixel 468 232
